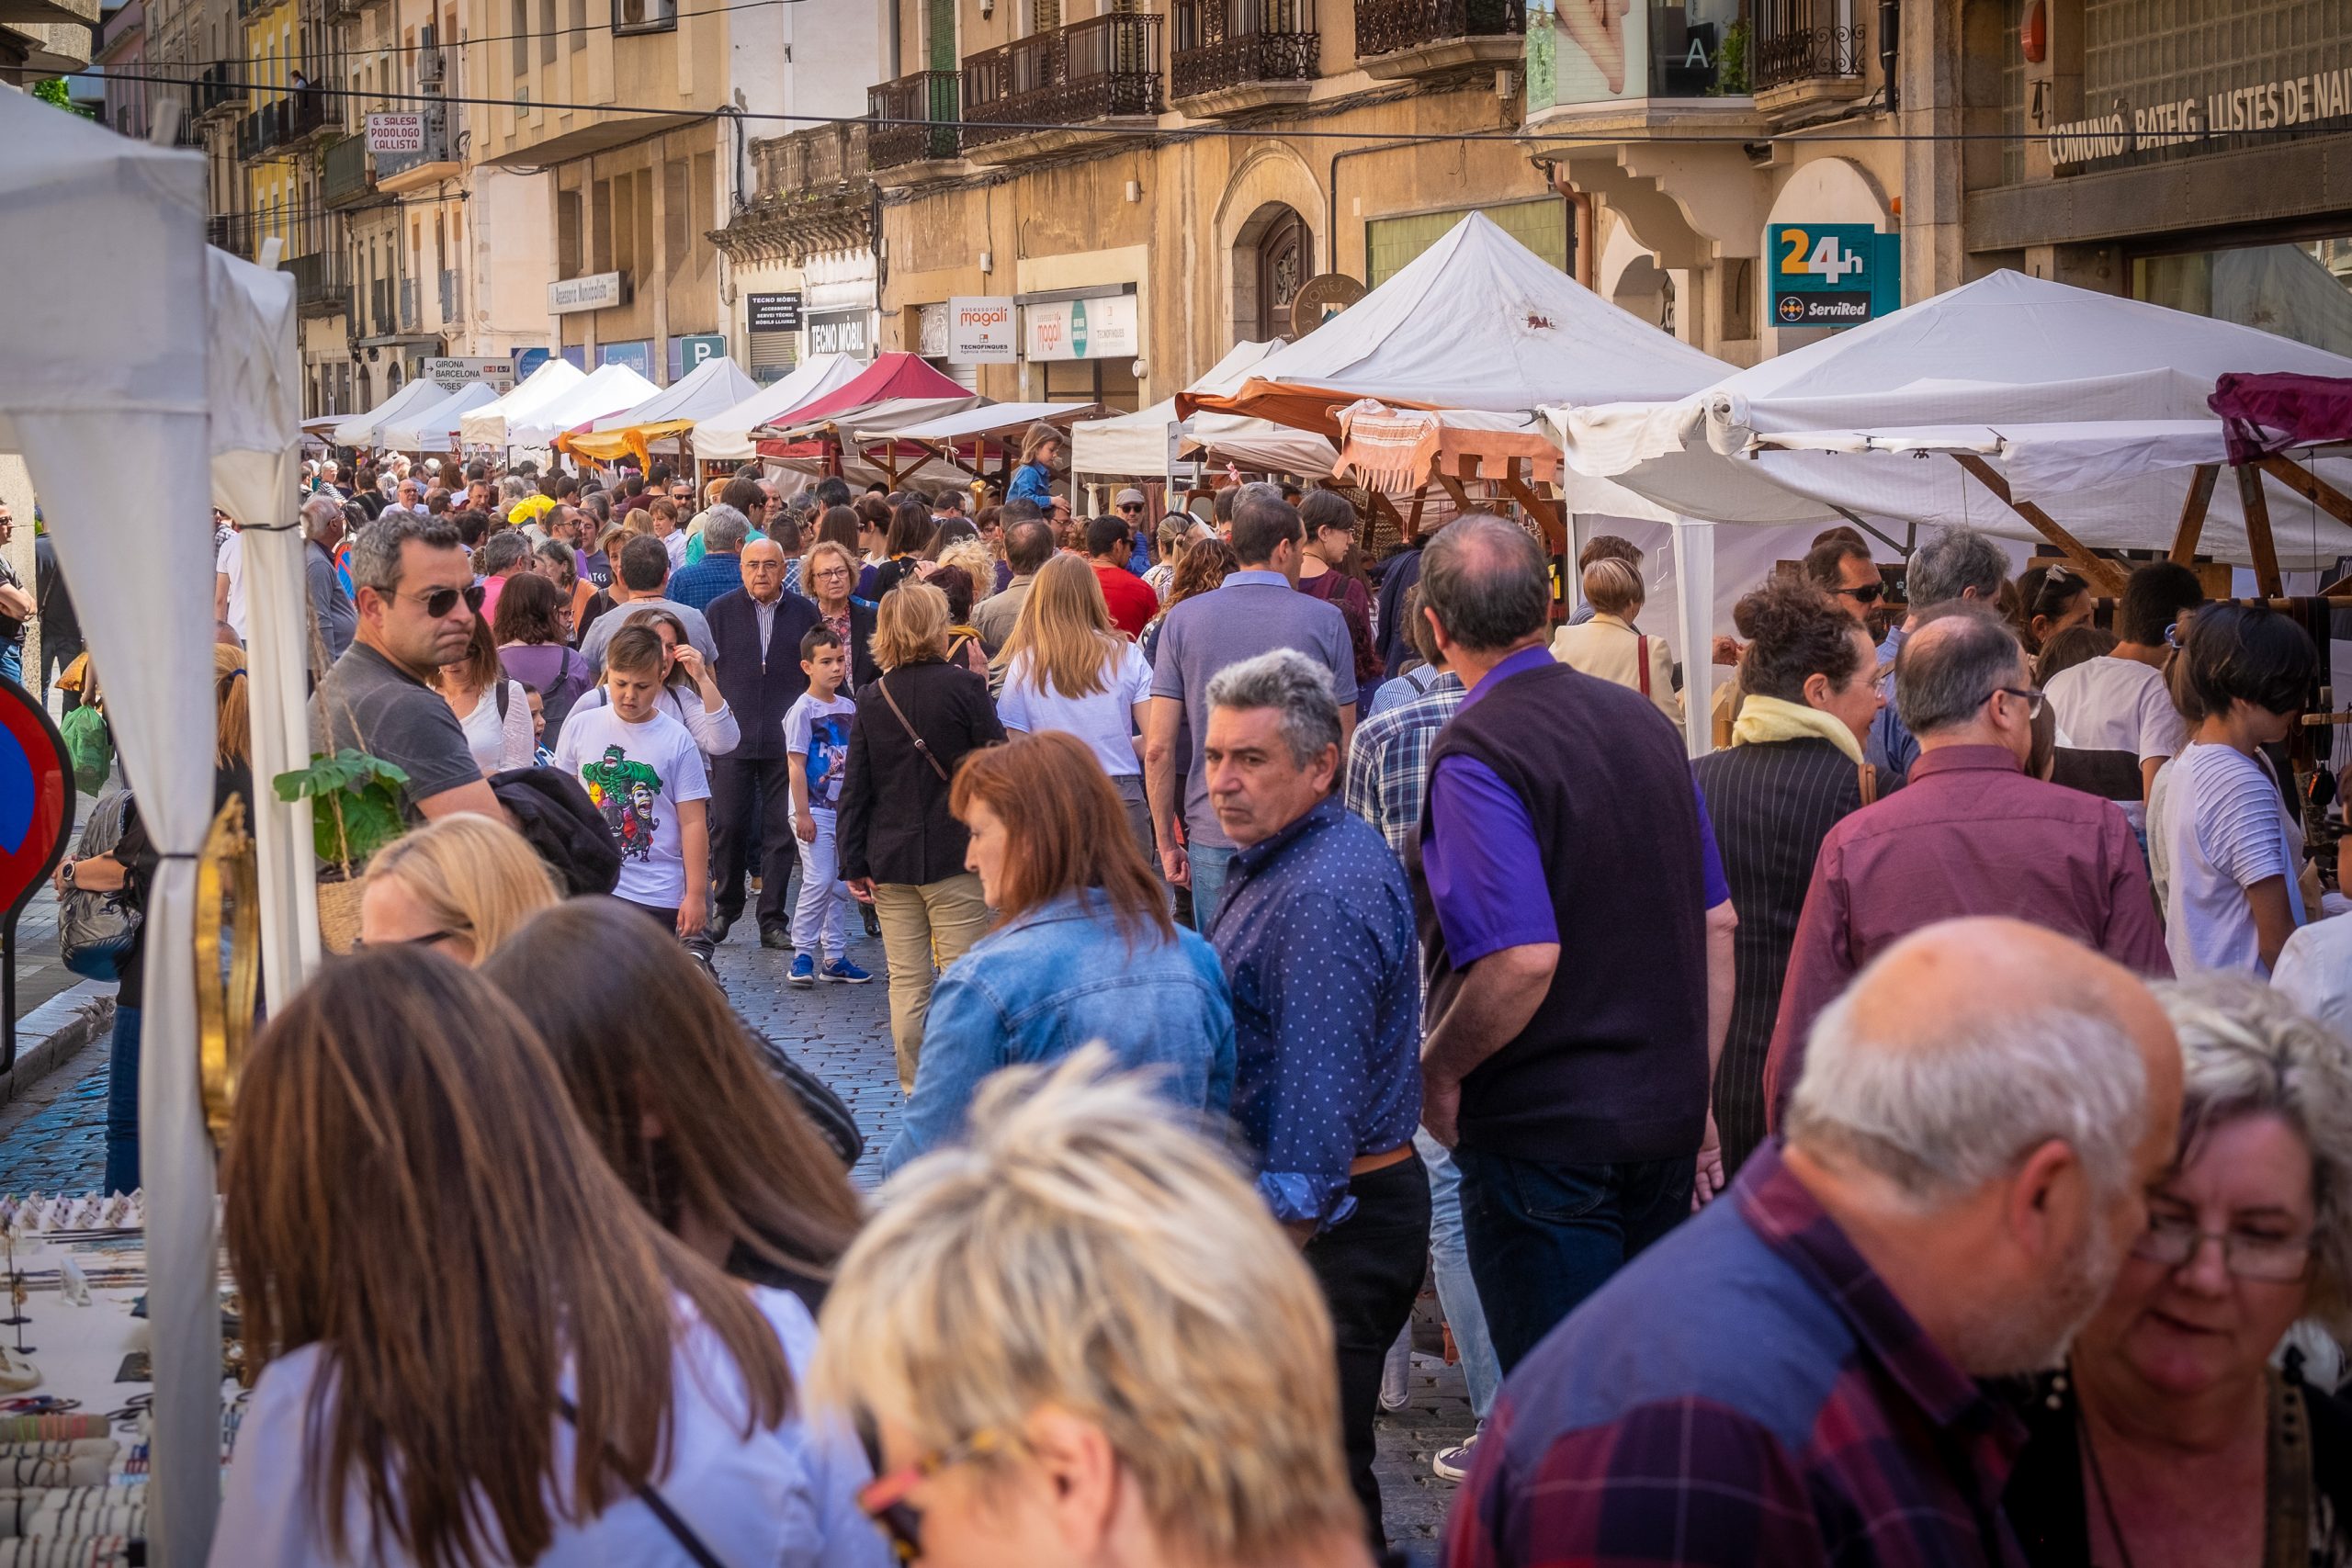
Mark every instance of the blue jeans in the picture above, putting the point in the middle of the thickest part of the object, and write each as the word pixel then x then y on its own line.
pixel 1542 1237
pixel 1209 863
pixel 122 1103
pixel 1457 1292
pixel 12 661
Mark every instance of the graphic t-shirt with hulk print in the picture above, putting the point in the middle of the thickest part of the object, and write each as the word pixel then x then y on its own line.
pixel 636 775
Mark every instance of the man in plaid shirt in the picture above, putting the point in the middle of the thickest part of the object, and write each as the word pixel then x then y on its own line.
pixel 1790 1378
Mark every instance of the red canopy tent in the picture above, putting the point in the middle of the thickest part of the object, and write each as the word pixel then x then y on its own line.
pixel 912 387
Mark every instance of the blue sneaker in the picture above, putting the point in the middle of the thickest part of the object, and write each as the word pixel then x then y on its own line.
pixel 804 971
pixel 840 969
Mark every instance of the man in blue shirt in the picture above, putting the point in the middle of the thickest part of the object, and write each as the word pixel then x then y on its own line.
pixel 1315 933
pixel 1959 563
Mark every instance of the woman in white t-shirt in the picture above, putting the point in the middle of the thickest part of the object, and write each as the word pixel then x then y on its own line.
pixel 1067 669
pixel 494 712
pixel 2233 852
pixel 476 1346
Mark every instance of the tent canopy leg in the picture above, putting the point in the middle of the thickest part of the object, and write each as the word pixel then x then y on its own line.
pixel 2103 574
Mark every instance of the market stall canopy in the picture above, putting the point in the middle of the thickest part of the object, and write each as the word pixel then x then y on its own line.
pixel 488 426
pixel 1135 445
pixel 726 437
pixel 434 429
pixel 989 422
pixel 416 399
pixel 657 422
pixel 609 390
pixel 2091 409
pixel 1476 322
pixel 902 380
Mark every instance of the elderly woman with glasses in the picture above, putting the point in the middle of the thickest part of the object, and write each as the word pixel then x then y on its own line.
pixel 2171 1438
pixel 1140 1369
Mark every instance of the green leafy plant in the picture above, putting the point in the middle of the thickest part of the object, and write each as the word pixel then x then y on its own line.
pixel 52 90
pixel 356 805
pixel 1730 61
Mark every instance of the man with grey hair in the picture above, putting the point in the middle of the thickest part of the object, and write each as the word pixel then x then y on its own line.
pixel 1959 565
pixel 757 629
pixel 416 599
pixel 1257 610
pixel 1315 934
pixel 1966 1164
pixel 1970 834
pixel 1578 985
pixel 332 616
pixel 725 530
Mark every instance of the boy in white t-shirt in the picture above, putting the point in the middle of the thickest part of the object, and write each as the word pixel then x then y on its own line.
pixel 644 775
pixel 815 742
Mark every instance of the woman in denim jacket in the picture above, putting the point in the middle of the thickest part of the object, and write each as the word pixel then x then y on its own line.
pixel 1084 949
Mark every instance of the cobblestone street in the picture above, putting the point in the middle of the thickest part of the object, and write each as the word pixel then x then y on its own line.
pixel 54 1139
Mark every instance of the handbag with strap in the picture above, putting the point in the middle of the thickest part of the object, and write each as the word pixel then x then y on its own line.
pixel 923 747
pixel 649 1495
pixel 96 929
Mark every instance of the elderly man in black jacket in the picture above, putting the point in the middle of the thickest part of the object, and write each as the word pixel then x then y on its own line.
pixel 757 629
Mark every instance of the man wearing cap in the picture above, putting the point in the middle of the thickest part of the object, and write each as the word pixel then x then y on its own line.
pixel 1131 506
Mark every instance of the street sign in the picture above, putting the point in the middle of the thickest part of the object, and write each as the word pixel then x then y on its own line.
pixel 1832 275
pixel 773 312
pixel 396 132
pixel 690 353
pixel 598 291
pixel 451 373
pixel 636 354
pixel 979 331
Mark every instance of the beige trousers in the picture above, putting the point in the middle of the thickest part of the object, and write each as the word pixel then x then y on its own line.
pixel 925 927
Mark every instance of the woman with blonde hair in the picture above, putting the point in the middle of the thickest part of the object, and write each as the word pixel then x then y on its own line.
pixel 828 572
pixel 1142 1365
pixel 1083 948
pixel 1608 645
pixel 474 1346
pixel 1066 670
pixel 901 848
pixel 463 885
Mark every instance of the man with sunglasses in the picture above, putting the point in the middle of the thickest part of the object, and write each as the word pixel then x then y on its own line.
pixel 1971 833
pixel 1844 570
pixel 416 599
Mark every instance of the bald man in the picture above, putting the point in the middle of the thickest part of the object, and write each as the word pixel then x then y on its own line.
pixel 757 629
pixel 1971 833
pixel 1790 1378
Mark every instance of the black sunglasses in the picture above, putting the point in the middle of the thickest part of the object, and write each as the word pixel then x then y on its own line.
pixel 439 602
pixel 1868 593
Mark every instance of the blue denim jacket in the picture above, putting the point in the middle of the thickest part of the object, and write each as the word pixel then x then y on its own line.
pixel 1054 979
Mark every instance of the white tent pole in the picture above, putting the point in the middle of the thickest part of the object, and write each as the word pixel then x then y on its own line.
pixel 277 664
pixel 1695 611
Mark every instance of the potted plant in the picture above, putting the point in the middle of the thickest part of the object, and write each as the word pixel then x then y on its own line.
pixel 355 811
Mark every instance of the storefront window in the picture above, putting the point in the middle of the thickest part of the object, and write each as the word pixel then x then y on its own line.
pixel 2302 290
pixel 1598 51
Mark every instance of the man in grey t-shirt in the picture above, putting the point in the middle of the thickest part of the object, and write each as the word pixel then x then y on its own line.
pixel 1258 610
pixel 642 571
pixel 416 603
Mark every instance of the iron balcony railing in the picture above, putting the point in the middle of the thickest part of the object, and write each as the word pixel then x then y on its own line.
pixel 322 282
pixel 344 173
pixel 934 97
pixel 222 231
pixel 1228 43
pixel 380 299
pixel 217 87
pixel 1384 27
pixel 823 159
pixel 1096 69
pixel 1805 40
pixel 408 305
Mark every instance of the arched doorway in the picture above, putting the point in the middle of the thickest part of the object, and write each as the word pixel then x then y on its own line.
pixel 1273 254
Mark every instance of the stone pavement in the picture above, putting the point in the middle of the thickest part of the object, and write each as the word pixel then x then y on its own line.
pixel 54 1139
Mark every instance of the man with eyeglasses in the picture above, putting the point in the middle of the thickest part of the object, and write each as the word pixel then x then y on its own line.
pixel 416 599
pixel 1959 565
pixel 1971 834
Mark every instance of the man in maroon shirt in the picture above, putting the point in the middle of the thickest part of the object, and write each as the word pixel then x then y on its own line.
pixel 1969 834
pixel 1132 603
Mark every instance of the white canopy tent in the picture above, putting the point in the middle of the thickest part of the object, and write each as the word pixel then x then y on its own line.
pixel 1135 445
pixel 418 397
pixel 726 437
pixel 154 373
pixel 434 429
pixel 607 389
pixel 709 388
pixel 2090 407
pixel 487 425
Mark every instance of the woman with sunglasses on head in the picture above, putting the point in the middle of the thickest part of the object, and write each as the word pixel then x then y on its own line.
pixel 476 1347
pixel 461 885
pixel 689 692
pixel 2051 598
pixel 2180 1433
pixel 1078 1339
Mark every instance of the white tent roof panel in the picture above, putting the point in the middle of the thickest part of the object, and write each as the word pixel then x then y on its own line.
pixel 726 435
pixel 488 426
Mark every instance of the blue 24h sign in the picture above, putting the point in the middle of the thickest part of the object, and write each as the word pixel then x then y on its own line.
pixel 1832 275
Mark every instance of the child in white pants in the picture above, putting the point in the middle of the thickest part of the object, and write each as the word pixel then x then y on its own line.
pixel 816 740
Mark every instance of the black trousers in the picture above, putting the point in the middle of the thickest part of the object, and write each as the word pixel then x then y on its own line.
pixel 1371 1266
pixel 750 827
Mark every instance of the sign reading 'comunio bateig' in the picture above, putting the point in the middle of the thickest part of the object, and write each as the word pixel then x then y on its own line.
pixel 2317 100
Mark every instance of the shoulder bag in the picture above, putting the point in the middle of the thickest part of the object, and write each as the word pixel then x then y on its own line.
pixel 923 747
pixel 646 1493
pixel 95 929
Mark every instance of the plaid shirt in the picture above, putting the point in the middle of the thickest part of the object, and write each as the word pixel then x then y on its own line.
pixel 1746 1391
pixel 1388 763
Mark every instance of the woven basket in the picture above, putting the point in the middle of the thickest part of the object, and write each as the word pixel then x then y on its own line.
pixel 339 913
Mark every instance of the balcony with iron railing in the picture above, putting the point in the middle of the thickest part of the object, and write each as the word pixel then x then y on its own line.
pixel 322 282
pixel 1804 50
pixel 1427 38
pixel 219 88
pixel 1231 55
pixel 433 159
pixel 1105 68
pixel 933 98
pixel 812 192
pixel 345 178
pixel 222 231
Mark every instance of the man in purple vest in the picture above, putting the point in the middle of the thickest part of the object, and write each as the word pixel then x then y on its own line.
pixel 1565 1060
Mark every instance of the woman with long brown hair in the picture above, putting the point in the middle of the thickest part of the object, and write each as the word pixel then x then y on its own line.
pixel 1083 949
pixel 673 1087
pixel 476 1346
pixel 1066 670
pixel 491 709
pixel 1207 564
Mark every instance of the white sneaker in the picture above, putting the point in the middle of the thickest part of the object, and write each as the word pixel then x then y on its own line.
pixel 1397 1374
pixel 1453 1463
